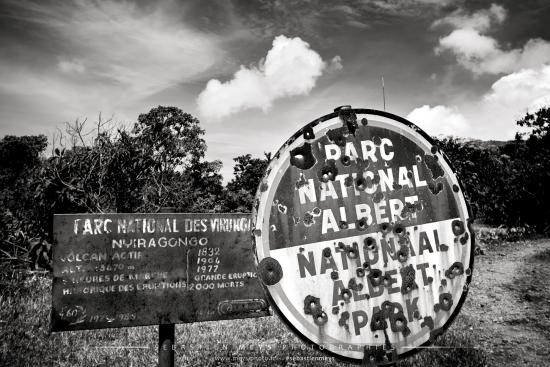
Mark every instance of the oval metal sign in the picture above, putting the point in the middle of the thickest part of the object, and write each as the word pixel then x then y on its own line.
pixel 363 236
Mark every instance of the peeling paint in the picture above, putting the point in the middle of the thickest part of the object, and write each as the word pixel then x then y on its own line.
pixel 398 323
pixel 328 172
pixel 361 183
pixel 428 322
pixel 399 229
pixel 378 197
pixel 375 277
pixel 445 301
pixel 308 219
pixel 270 271
pixel 408 279
pixel 435 187
pixel 301 157
pixel 308 133
pixel 337 136
pixel 366 266
pixel 370 243
pixel 321 318
pixel 349 118
pixel 385 228
pixel 458 227
pixel 345 160
pixel 403 254
pixel 354 286
pixel 311 304
pixel 361 224
pixel 435 333
pixel 301 182
pixel 343 321
pixel 346 294
pixel 348 182
pixel 378 321
pixel 456 269
pixel 434 167
pixel 464 238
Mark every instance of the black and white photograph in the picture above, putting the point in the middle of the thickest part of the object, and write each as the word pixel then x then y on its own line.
pixel 274 183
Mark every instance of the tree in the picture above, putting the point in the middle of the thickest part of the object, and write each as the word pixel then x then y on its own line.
pixel 135 171
pixel 242 188
pixel 508 183
pixel 539 125
pixel 170 136
pixel 482 170
pixel 159 163
pixel 529 194
pixel 19 154
pixel 199 188
pixel 172 140
pixel 20 161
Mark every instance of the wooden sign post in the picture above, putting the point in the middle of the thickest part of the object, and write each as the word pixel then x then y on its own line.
pixel 119 270
pixel 167 340
pixel 363 236
pixel 167 334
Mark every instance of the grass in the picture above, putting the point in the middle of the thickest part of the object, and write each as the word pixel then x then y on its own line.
pixel 454 348
pixel 543 255
pixel 25 340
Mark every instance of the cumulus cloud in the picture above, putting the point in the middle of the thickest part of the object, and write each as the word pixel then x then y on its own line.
pixel 439 120
pixel 526 87
pixel 521 87
pixel 480 20
pixel 512 96
pixel 525 90
pixel 539 103
pixel 483 54
pixel 494 115
pixel 290 68
pixel 335 64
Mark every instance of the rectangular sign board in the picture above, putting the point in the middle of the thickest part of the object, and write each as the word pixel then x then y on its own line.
pixel 118 270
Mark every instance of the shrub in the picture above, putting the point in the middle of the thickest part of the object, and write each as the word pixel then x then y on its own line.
pixel 507 183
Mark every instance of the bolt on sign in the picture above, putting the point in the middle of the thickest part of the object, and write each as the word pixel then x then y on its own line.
pixel 116 270
pixel 363 236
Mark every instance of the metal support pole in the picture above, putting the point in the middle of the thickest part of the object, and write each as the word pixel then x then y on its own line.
pixel 384 93
pixel 167 332
pixel 167 338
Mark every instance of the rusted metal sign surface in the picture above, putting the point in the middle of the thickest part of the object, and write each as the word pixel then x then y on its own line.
pixel 114 270
pixel 362 236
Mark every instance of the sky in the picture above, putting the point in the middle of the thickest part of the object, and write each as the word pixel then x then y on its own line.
pixel 255 71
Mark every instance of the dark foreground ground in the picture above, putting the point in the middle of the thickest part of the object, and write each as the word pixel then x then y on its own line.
pixel 504 322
